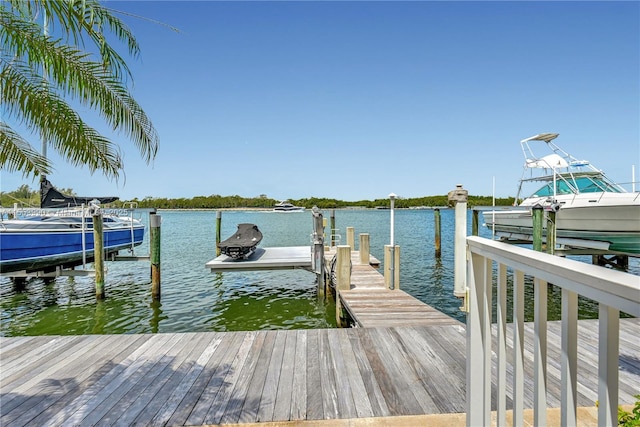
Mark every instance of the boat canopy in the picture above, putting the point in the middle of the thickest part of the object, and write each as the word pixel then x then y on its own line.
pixel 50 197
pixel 551 161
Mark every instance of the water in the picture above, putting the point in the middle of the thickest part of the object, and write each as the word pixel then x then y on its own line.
pixel 196 300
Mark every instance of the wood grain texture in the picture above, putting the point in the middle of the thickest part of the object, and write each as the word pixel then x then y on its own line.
pixel 273 376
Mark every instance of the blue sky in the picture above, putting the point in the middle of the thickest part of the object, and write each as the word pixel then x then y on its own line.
pixel 355 100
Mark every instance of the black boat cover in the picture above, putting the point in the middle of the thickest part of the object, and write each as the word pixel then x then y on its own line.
pixel 242 243
pixel 50 197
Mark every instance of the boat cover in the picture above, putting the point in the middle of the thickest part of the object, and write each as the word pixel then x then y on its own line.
pixel 50 197
pixel 243 242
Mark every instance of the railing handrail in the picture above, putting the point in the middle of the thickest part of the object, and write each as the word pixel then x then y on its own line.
pixel 611 287
pixel 613 290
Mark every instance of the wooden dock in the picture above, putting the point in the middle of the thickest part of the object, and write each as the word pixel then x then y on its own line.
pixel 371 304
pixel 262 376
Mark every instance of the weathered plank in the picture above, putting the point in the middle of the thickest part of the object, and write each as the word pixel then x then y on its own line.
pixel 177 379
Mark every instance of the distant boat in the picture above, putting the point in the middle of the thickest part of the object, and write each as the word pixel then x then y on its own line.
pixel 285 206
pixel 243 242
pixel 592 211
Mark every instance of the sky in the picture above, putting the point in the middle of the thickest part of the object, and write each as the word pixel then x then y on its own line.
pixel 357 100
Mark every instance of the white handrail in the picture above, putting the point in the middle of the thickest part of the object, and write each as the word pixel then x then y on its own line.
pixel 614 290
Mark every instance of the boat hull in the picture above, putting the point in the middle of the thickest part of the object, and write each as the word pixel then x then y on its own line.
pixel 617 225
pixel 42 250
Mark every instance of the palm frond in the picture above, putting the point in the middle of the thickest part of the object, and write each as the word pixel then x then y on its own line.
pixel 17 154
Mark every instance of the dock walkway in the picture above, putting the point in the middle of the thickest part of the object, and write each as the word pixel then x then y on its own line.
pixel 371 304
pixel 261 376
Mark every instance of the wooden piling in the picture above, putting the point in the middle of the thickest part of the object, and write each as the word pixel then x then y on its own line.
pixel 218 235
pixel 317 261
pixel 351 238
pixel 475 222
pixel 436 221
pixel 551 232
pixel 392 268
pixel 154 255
pixel 364 248
pixel 98 254
pixel 332 224
pixel 343 282
pixel 538 218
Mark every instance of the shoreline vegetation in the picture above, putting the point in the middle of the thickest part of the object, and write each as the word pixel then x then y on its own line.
pixel 26 197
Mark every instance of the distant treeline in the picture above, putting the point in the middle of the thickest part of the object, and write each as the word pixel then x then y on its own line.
pixel 24 195
pixel 220 202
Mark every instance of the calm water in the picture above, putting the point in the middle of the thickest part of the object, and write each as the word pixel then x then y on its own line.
pixel 194 299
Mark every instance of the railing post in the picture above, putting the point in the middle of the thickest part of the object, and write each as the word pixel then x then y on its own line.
pixel 569 360
pixel 608 354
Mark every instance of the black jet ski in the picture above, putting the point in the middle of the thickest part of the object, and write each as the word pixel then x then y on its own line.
pixel 243 243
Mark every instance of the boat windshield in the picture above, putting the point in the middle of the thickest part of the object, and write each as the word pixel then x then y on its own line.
pixel 583 184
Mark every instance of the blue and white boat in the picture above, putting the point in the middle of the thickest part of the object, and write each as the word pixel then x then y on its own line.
pixel 45 239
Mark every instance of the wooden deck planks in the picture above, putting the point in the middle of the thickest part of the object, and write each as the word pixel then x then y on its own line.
pixel 371 304
pixel 191 379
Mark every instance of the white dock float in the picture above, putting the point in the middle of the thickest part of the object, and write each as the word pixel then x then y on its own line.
pixel 282 258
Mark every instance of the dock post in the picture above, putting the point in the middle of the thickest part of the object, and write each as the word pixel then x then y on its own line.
pixel 364 248
pixel 317 261
pixel 332 224
pixel 343 283
pixel 98 254
pixel 459 198
pixel 392 268
pixel 154 255
pixel 351 238
pixel 551 232
pixel 218 228
pixel 474 223
pixel 538 218
pixel 436 221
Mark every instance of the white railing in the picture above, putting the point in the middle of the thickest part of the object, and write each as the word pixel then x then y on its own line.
pixel 615 291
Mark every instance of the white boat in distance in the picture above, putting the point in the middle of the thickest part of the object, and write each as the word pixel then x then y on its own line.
pixel 592 211
pixel 285 206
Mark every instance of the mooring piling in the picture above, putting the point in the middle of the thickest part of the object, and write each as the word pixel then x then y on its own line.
pixel 98 254
pixel 218 232
pixel 154 237
pixel 436 220
pixel 538 221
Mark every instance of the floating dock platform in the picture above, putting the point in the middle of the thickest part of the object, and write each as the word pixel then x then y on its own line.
pixel 283 258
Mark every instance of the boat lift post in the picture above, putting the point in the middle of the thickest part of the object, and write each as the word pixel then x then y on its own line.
pixel 391 262
pixel 317 255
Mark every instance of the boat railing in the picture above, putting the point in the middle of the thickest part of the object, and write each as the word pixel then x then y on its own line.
pixel 496 263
